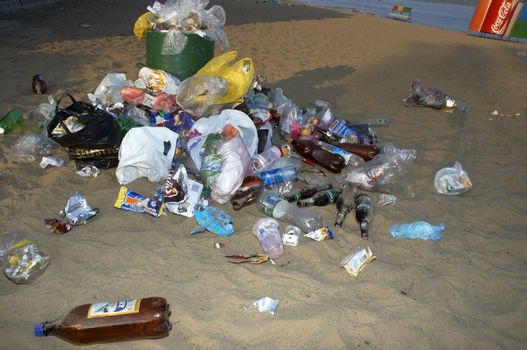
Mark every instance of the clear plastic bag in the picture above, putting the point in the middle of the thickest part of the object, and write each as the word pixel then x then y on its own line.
pixel 391 171
pixel 198 93
pixel 30 146
pixel 424 96
pixel 174 43
pixel 22 259
pixel 157 81
pixel 452 181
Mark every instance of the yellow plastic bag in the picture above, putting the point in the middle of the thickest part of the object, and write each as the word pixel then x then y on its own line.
pixel 143 24
pixel 239 75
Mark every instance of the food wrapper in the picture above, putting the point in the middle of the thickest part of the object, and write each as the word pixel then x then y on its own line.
pixel 355 261
pixel 266 305
pixel 320 234
pixel 131 201
pixel 77 210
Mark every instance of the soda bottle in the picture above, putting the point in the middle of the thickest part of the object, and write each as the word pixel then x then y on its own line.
pixel 304 218
pixel 345 203
pixel 266 230
pixel 323 198
pixel 10 121
pixel 363 213
pixel 279 175
pixel 263 160
pixel 129 319
pixel 309 149
pixel 309 192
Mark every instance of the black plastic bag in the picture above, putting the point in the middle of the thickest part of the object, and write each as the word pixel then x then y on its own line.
pixel 100 128
pixel 90 134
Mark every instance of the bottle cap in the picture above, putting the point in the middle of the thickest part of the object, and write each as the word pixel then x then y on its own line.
pixel 39 330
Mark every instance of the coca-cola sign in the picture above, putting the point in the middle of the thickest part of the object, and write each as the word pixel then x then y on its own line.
pixel 498 16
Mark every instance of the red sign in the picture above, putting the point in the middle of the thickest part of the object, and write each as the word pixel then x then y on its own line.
pixel 498 16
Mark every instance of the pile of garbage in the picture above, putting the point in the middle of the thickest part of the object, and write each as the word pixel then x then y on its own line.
pixel 221 137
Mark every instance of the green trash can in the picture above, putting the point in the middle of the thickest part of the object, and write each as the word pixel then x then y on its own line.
pixel 197 52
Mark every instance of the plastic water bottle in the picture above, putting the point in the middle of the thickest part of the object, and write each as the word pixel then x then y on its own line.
pixel 279 175
pixel 129 319
pixel 418 230
pixel 304 218
pixel 263 160
pixel 266 230
pixel 10 121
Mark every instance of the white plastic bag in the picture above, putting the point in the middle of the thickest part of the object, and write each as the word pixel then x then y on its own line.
pixel 109 89
pixel 146 152
pixel 452 181
pixel 205 126
pixel 236 164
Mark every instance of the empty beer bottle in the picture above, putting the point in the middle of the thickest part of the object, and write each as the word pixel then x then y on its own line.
pixel 363 213
pixel 310 150
pixel 130 319
pixel 345 203
pixel 366 152
pixel 309 192
pixel 322 198
pixel 10 121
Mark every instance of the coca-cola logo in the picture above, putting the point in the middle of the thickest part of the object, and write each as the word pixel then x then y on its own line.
pixel 500 24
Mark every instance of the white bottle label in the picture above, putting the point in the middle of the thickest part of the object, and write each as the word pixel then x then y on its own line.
pixel 114 308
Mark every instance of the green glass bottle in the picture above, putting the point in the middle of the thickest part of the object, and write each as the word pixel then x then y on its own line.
pixel 10 121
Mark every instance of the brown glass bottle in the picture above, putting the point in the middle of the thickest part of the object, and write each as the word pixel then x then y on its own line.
pixel 111 321
pixel 310 150
pixel 366 152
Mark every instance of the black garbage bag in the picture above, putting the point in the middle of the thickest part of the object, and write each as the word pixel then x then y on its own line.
pixel 90 134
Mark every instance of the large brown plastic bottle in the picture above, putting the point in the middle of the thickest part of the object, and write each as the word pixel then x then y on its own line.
pixel 310 150
pixel 104 322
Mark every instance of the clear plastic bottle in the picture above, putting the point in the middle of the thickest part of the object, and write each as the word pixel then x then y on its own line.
pixel 279 175
pixel 304 218
pixel 266 230
pixel 263 160
pixel 111 321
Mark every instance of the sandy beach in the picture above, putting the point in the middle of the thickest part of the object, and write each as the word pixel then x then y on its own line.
pixel 466 291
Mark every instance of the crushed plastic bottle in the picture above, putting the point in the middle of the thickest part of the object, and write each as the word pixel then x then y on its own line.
pixel 212 220
pixel 418 230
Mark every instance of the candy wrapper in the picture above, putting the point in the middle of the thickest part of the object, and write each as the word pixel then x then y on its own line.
pixel 131 201
pixel 77 210
pixel 58 227
pixel 22 259
pixel 355 261
pixel 181 194
pixel 320 234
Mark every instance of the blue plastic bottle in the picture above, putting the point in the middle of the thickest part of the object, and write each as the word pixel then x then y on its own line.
pixel 278 175
pixel 418 230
